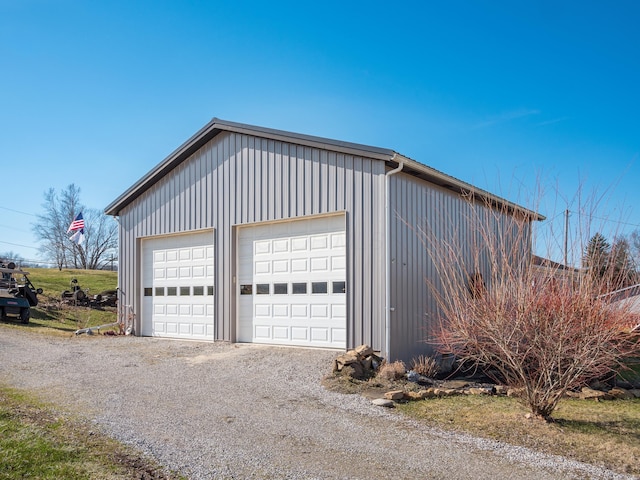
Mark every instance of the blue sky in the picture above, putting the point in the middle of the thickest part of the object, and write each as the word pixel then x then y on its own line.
pixel 505 95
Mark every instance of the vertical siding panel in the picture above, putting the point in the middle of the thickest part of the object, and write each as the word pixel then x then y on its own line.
pixel 286 181
pixel 332 192
pixel 323 182
pixel 299 206
pixel 316 182
pixel 278 187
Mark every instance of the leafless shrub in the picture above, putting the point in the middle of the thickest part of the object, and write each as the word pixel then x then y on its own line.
pixel 392 371
pixel 544 329
pixel 424 365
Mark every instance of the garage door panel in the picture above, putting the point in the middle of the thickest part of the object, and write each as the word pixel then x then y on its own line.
pixel 299 244
pixel 295 265
pixel 280 332
pixel 262 248
pixel 280 267
pixel 319 242
pixel 300 333
pixel 263 268
pixel 319 334
pixel 262 332
pixel 299 265
pixel 171 328
pixel 199 329
pixel 320 264
pixel 280 246
pixel 338 335
pixel 171 273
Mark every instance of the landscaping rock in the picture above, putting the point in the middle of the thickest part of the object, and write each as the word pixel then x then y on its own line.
pixel 362 362
pixel 591 394
pixel 413 396
pixel 635 392
pixel 364 350
pixel 428 393
pixel 479 391
pixel 383 402
pixel 621 394
pixel 501 389
pixel 394 395
pixel 445 392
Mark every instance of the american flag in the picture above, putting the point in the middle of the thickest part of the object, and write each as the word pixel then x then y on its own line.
pixel 77 224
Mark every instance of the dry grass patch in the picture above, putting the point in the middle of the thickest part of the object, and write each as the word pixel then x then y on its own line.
pixel 426 366
pixel 392 371
pixel 600 433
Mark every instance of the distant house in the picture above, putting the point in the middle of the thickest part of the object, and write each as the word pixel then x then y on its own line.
pixel 249 234
pixel 545 269
pixel 629 299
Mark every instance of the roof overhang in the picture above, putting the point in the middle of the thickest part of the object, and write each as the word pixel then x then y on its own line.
pixel 390 157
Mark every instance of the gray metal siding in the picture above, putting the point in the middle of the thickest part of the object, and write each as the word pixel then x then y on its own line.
pixel 237 179
pixel 414 204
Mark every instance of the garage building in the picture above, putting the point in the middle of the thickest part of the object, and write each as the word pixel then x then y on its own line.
pixel 249 234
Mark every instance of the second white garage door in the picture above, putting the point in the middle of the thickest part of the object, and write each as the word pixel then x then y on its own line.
pixel 292 283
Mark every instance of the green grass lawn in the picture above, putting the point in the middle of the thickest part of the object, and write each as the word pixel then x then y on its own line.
pixel 40 442
pixel 53 281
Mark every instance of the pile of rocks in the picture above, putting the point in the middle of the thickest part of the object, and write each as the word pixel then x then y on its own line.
pixel 462 387
pixel 359 363
pixel 615 393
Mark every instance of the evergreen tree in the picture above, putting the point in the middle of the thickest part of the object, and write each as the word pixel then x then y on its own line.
pixel 622 265
pixel 596 256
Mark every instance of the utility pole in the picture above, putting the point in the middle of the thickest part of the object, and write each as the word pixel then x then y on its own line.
pixel 566 237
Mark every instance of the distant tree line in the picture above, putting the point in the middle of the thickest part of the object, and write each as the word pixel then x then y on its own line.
pixel 99 247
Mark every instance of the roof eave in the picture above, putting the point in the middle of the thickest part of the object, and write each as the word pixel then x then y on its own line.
pixel 463 188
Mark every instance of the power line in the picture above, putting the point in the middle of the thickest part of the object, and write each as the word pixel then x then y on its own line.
pixel 612 221
pixel 19 245
pixel 18 211
pixel 14 229
pixel 595 217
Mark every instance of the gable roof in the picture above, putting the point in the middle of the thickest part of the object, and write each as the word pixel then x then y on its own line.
pixel 390 157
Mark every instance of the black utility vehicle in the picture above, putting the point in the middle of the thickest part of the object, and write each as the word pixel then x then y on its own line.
pixel 17 293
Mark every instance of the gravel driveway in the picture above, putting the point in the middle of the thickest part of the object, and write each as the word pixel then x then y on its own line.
pixel 227 411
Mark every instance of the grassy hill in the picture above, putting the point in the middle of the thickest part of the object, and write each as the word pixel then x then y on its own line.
pixel 53 315
pixel 53 281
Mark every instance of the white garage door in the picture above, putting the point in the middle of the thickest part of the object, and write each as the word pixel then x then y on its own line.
pixel 292 283
pixel 177 281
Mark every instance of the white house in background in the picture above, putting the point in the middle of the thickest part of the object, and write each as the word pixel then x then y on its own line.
pixel 249 234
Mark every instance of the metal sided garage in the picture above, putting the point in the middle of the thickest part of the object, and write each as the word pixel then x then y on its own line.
pixel 249 234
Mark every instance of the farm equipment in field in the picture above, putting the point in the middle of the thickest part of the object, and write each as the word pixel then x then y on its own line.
pixel 17 293
pixel 108 298
pixel 79 297
pixel 76 295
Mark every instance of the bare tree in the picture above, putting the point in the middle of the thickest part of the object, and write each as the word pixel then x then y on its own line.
pixel 52 225
pixel 100 232
pixel 544 331
pixel 101 240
